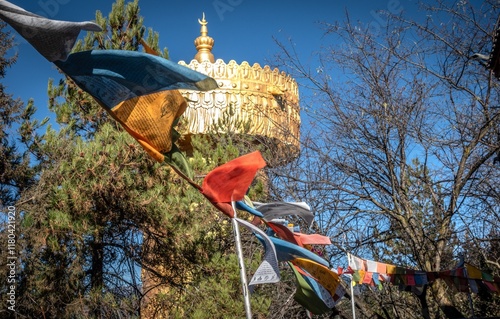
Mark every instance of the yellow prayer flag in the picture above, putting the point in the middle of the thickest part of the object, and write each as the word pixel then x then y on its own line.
pixel 473 272
pixel 322 274
pixel 391 269
pixel 151 117
pixel 361 276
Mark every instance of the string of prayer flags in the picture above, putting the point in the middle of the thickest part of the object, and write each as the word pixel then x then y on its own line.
pixel 53 39
pixel 230 181
pixel 470 277
pixel 464 279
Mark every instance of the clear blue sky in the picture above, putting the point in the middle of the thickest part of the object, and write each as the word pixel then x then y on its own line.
pixel 243 31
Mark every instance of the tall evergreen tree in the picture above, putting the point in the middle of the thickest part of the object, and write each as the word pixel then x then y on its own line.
pixel 102 212
pixel 15 171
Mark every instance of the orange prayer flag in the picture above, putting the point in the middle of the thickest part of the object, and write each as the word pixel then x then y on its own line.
pixel 361 276
pixel 381 268
pixel 146 119
pixel 312 239
pixel 230 181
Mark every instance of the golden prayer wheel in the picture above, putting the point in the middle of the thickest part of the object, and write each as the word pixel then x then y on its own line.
pixel 265 100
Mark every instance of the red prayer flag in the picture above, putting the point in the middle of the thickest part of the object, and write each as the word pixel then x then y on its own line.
pixel 491 286
pixel 410 280
pixel 367 278
pixel 230 181
pixel 284 233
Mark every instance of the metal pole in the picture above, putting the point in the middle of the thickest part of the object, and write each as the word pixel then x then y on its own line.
pixel 352 301
pixel 352 290
pixel 243 276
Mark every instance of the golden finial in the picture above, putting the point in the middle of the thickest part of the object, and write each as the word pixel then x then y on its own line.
pixel 203 22
pixel 204 43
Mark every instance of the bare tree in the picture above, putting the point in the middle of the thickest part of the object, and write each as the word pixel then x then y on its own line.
pixel 399 146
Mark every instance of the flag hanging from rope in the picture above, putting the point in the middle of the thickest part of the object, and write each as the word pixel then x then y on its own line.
pixel 230 181
pixel 306 295
pixel 53 39
pixel 323 275
pixel 287 251
pixel 138 90
pixel 268 271
pixel 280 209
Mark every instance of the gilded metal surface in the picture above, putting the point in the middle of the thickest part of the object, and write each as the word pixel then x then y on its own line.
pixel 265 98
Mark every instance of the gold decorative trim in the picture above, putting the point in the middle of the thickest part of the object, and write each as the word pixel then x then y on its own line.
pixel 265 98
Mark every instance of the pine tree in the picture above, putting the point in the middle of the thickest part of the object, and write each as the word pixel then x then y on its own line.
pixel 15 171
pixel 102 212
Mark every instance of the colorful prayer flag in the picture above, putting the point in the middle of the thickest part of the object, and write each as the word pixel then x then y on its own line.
pixel 284 233
pixel 312 239
pixel 280 209
pixel 268 271
pixel 356 263
pixel 371 265
pixel 287 251
pixel 367 278
pixel 53 39
pixel 244 206
pixel 230 181
pixel 136 90
pixel 323 275
pixel 381 268
pixel 320 291
pixel 473 272
pixel 306 296
pixel 391 269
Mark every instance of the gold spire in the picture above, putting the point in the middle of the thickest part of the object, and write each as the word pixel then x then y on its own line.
pixel 204 43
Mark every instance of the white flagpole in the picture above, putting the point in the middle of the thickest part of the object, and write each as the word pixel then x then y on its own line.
pixel 352 301
pixel 243 276
pixel 353 304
